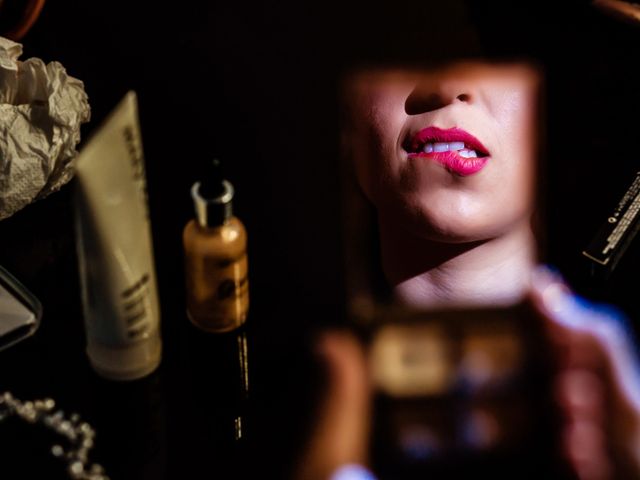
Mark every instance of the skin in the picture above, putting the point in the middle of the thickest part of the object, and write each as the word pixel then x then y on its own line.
pixel 447 240
pixel 597 389
pixel 445 237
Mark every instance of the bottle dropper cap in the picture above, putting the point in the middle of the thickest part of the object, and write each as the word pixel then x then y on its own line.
pixel 212 197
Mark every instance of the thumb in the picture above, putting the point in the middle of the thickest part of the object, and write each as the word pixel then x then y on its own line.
pixel 567 321
pixel 341 431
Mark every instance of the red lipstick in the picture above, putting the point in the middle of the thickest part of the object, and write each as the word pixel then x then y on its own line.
pixel 455 149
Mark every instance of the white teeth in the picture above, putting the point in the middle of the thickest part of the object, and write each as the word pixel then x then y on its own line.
pixel 458 147
pixel 468 153
pixel 440 147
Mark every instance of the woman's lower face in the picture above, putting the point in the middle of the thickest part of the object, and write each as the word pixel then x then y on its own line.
pixel 448 154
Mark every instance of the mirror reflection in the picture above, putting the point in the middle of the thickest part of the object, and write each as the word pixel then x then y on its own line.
pixel 447 159
pixel 465 338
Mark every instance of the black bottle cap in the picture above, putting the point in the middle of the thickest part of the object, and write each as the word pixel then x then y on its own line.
pixel 211 185
pixel 212 196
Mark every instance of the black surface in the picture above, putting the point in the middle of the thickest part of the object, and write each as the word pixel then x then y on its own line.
pixel 257 86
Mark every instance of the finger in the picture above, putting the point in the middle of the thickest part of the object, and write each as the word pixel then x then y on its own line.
pixel 342 424
pixel 580 393
pixel 346 412
pixel 586 450
pixel 568 322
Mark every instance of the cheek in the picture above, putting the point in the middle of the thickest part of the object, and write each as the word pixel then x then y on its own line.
pixel 518 163
pixel 435 205
pixel 387 119
pixel 376 143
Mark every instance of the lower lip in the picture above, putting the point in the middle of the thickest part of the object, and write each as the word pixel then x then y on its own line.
pixel 455 163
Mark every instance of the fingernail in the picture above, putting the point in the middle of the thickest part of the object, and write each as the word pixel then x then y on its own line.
pixel 544 275
pixel 352 472
pixel 552 291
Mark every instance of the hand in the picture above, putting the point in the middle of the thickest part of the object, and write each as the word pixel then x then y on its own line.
pixel 597 387
pixel 598 381
pixel 341 433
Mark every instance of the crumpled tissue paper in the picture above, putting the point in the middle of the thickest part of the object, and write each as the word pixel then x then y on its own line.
pixel 41 110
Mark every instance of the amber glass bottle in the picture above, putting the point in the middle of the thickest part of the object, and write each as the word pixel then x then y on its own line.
pixel 215 246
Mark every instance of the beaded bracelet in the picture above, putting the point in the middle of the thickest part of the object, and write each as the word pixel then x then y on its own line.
pixel 79 434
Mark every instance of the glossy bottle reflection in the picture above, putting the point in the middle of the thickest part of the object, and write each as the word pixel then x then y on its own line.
pixel 216 280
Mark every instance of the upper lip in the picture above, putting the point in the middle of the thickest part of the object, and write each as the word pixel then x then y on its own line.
pixel 435 135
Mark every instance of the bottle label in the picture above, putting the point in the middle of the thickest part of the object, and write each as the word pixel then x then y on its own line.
pixel 218 297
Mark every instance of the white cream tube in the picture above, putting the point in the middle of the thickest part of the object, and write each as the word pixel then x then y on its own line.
pixel 117 275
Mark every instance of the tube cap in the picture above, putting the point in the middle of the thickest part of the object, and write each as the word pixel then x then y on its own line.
pixel 126 363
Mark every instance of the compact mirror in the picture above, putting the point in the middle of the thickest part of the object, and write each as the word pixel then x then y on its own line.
pixel 20 311
pixel 442 231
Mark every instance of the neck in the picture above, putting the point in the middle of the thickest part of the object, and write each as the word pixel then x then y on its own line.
pixel 425 273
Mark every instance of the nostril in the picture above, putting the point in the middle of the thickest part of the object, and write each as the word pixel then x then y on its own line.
pixel 463 97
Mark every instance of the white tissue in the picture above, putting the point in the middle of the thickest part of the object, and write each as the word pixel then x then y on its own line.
pixel 41 110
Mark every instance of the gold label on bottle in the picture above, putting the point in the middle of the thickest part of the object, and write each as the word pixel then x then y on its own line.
pixel 218 297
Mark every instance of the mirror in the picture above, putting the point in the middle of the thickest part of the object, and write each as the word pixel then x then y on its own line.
pixel 20 311
pixel 440 174
pixel 440 170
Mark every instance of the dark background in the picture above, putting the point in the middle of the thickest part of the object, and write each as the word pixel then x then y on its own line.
pixel 257 85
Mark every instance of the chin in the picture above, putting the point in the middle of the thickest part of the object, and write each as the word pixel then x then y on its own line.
pixel 447 224
pixel 456 232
